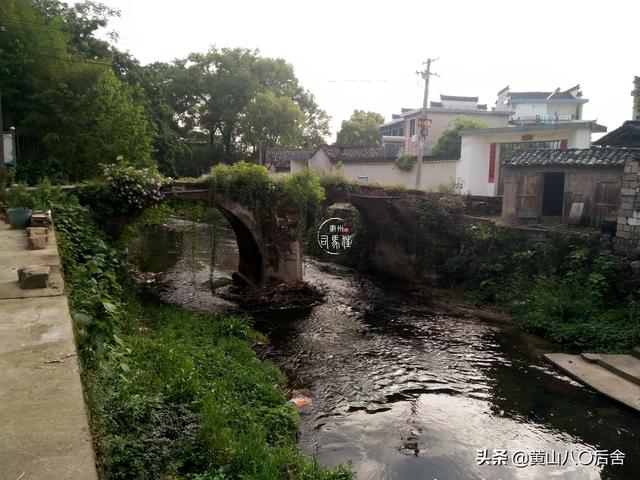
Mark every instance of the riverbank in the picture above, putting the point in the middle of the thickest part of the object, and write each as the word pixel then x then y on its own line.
pixel 173 393
pixel 570 289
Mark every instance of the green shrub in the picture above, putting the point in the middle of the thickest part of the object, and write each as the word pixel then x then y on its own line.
pixel 570 288
pixel 406 161
pixel 19 197
pixel 250 184
pixel 123 190
pixel 93 270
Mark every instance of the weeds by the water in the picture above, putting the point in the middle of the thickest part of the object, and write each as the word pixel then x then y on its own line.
pixel 173 394
pixel 571 289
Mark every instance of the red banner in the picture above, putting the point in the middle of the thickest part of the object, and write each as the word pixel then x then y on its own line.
pixel 492 163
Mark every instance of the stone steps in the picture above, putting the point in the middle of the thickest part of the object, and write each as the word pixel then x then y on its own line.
pixel 616 376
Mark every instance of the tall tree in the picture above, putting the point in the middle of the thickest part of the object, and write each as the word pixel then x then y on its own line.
pixel 229 94
pixel 450 141
pixel 149 87
pixel 69 109
pixel 272 120
pixel 363 128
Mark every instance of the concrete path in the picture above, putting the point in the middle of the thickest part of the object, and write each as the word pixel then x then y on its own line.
pixel 44 428
pixel 617 376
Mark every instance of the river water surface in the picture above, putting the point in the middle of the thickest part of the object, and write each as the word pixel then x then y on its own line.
pixel 402 391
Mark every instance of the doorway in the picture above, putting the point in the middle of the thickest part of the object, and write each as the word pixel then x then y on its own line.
pixel 553 194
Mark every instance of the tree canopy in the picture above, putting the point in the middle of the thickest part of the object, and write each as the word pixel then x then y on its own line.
pixel 241 101
pixel 363 128
pixel 77 102
pixel 450 141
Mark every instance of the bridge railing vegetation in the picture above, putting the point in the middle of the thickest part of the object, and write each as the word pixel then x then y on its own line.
pixel 250 184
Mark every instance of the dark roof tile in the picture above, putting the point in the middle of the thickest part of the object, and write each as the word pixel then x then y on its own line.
pixel 594 156
pixel 627 135
pixel 540 95
pixel 281 158
pixel 458 98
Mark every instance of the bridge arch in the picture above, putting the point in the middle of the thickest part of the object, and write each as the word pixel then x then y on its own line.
pixel 391 226
pixel 249 239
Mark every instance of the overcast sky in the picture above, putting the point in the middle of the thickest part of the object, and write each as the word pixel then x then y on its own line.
pixel 356 54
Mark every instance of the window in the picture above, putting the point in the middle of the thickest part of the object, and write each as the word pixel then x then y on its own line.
pixel 412 127
pixel 395 129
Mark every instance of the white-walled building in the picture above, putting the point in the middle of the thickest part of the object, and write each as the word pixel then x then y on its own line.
pixel 370 165
pixel 541 107
pixel 483 149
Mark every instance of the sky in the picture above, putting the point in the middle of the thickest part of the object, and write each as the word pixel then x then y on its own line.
pixel 354 54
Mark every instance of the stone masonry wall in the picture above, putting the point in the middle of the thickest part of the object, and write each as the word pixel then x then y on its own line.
pixel 627 241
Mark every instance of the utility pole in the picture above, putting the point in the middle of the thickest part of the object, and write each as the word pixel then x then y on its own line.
pixel 423 122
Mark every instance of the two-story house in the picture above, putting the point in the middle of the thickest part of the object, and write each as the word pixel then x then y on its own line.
pixel 541 107
pixel 442 114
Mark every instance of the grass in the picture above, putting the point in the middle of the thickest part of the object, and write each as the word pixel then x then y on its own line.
pixel 194 402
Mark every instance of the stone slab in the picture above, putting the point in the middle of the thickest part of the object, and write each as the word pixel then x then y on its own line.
pixel 40 220
pixel 37 242
pixel 598 378
pixel 37 231
pixel 626 366
pixel 34 276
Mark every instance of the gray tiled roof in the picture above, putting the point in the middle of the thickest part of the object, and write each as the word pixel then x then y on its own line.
pixel 281 158
pixel 354 152
pixel 594 156
pixel 370 154
pixel 627 135
pixel 458 98
pixel 540 95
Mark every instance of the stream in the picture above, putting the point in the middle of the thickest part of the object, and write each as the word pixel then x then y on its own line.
pixel 402 391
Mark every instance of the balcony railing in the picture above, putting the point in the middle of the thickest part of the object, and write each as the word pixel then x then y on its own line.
pixel 542 119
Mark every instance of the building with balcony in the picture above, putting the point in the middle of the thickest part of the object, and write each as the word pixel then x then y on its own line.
pixel 442 114
pixel 541 107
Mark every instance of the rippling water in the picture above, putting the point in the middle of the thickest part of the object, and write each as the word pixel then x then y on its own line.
pixel 402 391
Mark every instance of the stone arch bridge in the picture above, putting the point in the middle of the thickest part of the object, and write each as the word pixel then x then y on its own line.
pixel 269 253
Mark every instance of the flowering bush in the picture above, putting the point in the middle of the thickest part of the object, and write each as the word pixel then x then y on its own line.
pixel 124 190
pixel 137 188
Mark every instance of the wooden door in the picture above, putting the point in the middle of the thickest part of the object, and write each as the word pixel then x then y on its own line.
pixel 528 196
pixel 606 201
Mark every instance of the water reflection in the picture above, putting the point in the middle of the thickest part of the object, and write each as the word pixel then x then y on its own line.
pixel 404 392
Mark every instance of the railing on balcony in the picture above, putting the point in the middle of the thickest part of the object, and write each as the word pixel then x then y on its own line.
pixel 541 119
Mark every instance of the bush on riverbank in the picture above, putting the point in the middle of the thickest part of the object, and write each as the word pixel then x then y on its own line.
pixel 570 288
pixel 172 393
